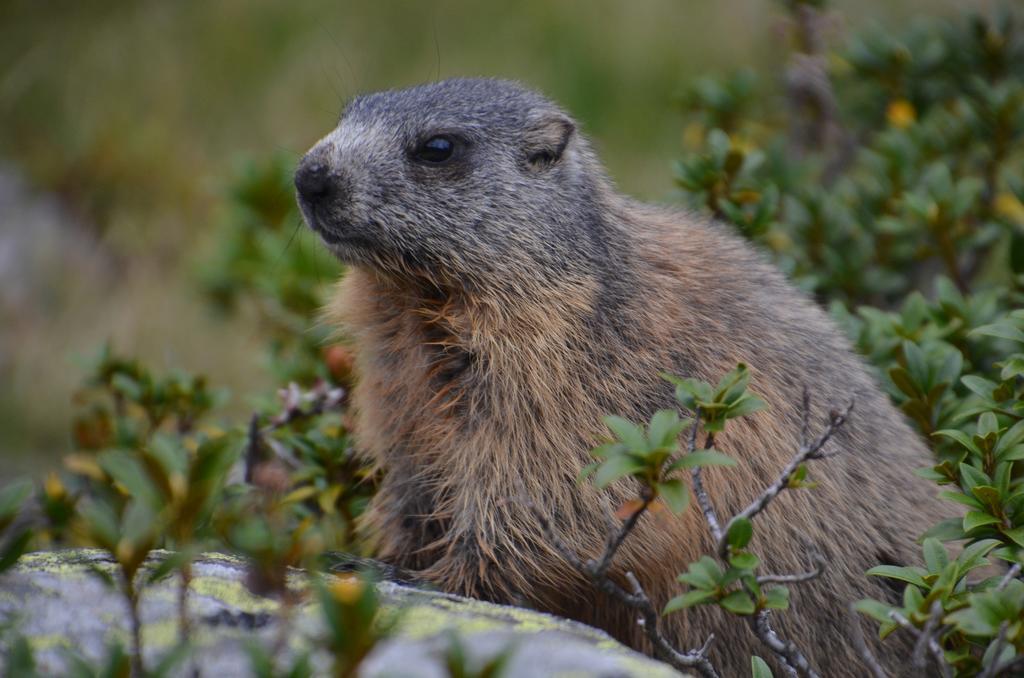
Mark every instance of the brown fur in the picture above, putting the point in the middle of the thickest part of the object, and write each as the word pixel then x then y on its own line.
pixel 462 454
pixel 476 400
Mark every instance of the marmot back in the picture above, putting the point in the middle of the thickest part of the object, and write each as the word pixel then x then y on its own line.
pixel 502 297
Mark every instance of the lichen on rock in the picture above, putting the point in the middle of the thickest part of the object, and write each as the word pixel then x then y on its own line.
pixel 59 603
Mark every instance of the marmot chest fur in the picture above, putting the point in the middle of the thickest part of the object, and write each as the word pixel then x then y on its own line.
pixel 502 297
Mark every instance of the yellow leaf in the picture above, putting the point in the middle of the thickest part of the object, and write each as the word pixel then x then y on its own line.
pixel 53 487
pixel 901 113
pixel 84 465
pixel 347 589
pixel 299 494
pixel 1007 205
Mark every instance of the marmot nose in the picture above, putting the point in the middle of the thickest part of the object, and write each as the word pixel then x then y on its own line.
pixel 313 181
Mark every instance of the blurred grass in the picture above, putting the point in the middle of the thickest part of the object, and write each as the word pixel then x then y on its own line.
pixel 133 114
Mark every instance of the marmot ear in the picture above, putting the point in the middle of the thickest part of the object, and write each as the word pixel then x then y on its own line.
pixel 547 136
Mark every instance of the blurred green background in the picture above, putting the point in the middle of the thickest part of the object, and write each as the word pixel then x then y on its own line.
pixel 121 121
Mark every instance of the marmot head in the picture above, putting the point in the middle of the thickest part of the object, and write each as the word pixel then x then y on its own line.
pixel 459 182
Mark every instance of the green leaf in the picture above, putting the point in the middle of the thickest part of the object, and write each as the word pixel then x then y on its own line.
pixel 122 383
pixel 935 556
pixel 973 622
pixel 917 365
pixel 732 385
pixel 664 428
pixel 1016 534
pixel 975 519
pixel 688 599
pixel 960 437
pixel 587 471
pixel 674 493
pixel 19 660
pixel 703 574
pixel 744 560
pixel 167 565
pixel 777 598
pixel 982 387
pixel 738 602
pixel 961 498
pixel 628 432
pixel 126 469
pixel 949 529
pixel 607 450
pixel 1013 436
pixel 759 669
pixel 702 458
pixel 12 498
pixel 1001 331
pixel 748 404
pixel 987 423
pixel 615 468
pixel 972 477
pixel 13 548
pixel 904 382
pixel 874 609
pixel 739 534
pixel 102 523
pixel 974 555
pixel 911 575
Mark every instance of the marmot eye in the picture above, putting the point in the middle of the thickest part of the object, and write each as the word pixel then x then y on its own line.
pixel 435 150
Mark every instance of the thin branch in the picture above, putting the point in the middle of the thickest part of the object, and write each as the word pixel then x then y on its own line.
pixel 793 661
pixel 993 669
pixel 933 644
pixel 252 448
pixel 321 398
pixel 616 540
pixel 698 481
pixel 638 600
pixel 696 659
pixel 807 451
pixel 819 568
pixel 1010 575
pixel 918 660
pixel 860 644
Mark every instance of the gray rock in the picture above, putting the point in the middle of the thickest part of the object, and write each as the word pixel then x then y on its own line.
pixel 58 602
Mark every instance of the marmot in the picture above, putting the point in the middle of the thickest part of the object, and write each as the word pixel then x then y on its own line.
pixel 502 296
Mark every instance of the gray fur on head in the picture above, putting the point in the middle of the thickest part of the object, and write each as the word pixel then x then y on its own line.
pixel 517 199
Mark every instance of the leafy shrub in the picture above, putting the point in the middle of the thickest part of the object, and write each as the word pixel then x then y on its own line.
pixel 884 177
pixel 905 216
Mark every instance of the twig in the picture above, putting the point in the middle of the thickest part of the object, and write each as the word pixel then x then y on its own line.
pixel 638 600
pixel 933 644
pixel 807 451
pixel 698 483
pixel 1010 575
pixel 918 660
pixel 857 636
pixel 601 567
pixel 321 398
pixel 696 659
pixel 993 669
pixel 252 448
pixel 819 568
pixel 793 661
